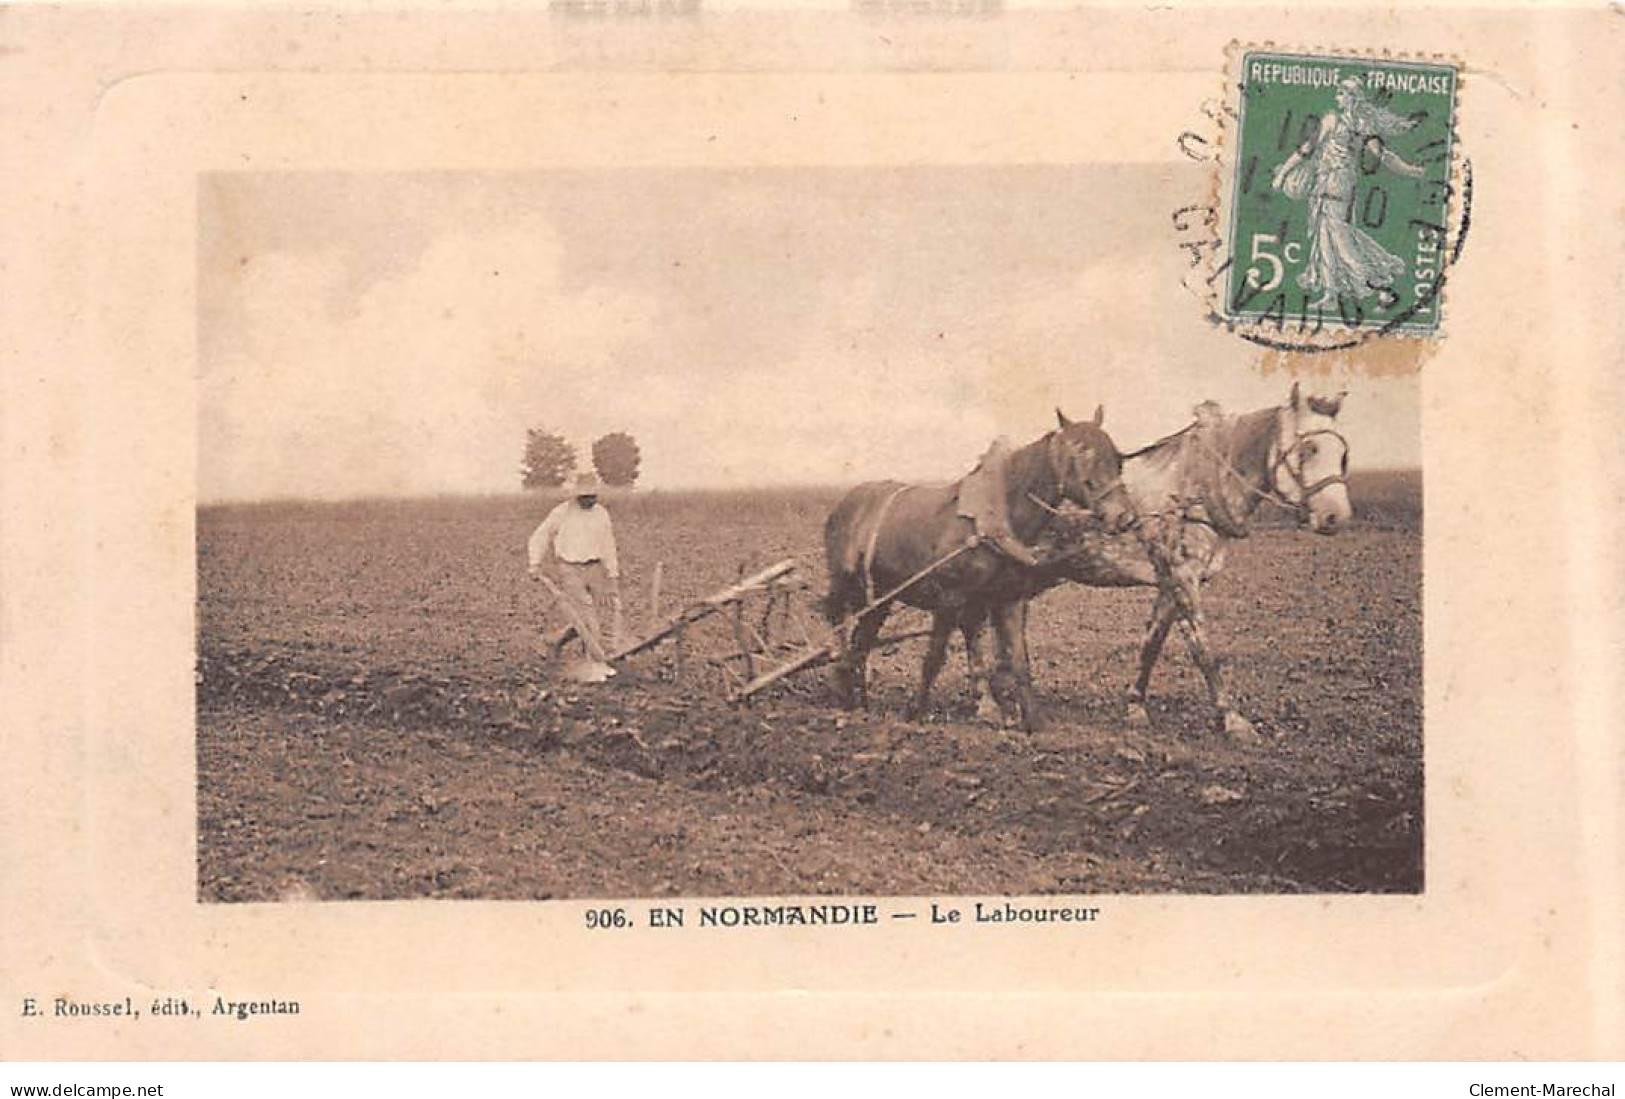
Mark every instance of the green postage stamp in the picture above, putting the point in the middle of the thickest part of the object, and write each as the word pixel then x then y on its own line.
pixel 1341 188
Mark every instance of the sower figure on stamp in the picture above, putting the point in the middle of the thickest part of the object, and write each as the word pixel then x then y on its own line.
pixel 1326 169
pixel 579 537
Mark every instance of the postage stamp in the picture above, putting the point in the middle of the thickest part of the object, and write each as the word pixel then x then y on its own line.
pixel 1340 202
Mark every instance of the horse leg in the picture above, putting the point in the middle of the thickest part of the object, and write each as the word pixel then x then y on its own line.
pixel 855 658
pixel 942 626
pixel 971 623
pixel 1235 726
pixel 1036 719
pixel 1031 712
pixel 999 677
pixel 1156 632
pixel 1008 627
pixel 835 607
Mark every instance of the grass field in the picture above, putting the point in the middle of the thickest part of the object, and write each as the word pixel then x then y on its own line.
pixel 377 718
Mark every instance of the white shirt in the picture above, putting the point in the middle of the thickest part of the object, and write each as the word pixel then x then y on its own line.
pixel 576 534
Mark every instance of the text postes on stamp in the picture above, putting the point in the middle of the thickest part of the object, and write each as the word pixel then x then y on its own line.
pixel 1337 188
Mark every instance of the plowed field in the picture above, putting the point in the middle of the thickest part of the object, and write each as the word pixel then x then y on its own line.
pixel 377 719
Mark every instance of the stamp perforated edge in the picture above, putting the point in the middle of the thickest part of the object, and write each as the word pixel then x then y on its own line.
pixel 1335 337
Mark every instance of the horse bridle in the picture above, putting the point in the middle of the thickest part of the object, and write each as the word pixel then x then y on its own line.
pixel 1306 492
pixel 1115 488
pixel 1283 460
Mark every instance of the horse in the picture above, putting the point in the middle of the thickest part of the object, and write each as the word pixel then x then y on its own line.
pixel 884 534
pixel 1194 492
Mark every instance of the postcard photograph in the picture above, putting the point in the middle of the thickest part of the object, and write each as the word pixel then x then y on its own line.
pixel 915 530
pixel 800 531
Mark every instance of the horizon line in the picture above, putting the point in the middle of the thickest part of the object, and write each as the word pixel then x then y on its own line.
pixel 608 491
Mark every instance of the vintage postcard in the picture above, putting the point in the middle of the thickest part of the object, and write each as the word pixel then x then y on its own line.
pixel 956 530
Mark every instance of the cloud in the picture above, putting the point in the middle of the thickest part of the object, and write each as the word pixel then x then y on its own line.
pixel 424 382
pixel 765 331
pixel 1125 333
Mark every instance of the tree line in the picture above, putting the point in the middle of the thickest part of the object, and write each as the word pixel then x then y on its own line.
pixel 550 459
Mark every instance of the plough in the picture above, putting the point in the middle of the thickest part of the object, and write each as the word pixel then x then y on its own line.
pixel 831 647
pixel 777 585
pixel 732 597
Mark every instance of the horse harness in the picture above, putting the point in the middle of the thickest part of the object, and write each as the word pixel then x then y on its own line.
pixel 874 537
pixel 1283 460
pixel 1115 488
pixel 1307 492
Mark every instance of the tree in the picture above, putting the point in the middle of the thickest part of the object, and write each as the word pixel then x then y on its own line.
pixel 616 456
pixel 549 459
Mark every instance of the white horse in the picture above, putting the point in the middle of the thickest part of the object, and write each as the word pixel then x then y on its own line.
pixel 1194 493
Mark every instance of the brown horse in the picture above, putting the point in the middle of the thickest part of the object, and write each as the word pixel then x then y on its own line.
pixel 884 533
pixel 1195 492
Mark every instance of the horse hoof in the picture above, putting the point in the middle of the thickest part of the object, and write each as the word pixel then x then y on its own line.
pixel 1138 716
pixel 1240 730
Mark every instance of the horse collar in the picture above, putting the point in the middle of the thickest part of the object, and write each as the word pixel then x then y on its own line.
pixel 1221 517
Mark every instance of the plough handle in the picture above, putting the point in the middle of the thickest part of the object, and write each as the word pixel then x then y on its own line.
pixel 578 621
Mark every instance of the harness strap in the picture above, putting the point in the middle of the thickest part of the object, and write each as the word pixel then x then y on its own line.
pixel 1282 460
pixel 1117 488
pixel 874 536
pixel 1307 492
pixel 1211 497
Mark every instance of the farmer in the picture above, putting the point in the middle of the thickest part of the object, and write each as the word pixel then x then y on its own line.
pixel 578 535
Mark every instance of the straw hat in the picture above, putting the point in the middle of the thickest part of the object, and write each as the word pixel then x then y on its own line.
pixel 584 484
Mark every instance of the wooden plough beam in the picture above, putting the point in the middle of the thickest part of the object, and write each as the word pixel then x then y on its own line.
pixel 821 654
pixel 732 596
pixel 712 604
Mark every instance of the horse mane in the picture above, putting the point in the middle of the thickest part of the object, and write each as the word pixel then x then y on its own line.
pixel 1197 454
pixel 1166 440
pixel 1248 429
pixel 1250 435
pixel 1031 460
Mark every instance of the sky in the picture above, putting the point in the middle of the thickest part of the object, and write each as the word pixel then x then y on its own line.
pixel 396 334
